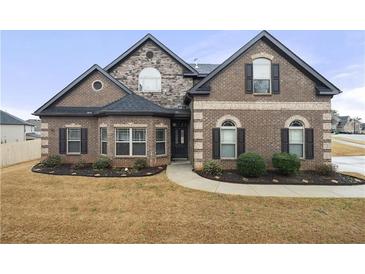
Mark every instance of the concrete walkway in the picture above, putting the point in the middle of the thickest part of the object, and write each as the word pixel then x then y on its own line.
pixel 182 174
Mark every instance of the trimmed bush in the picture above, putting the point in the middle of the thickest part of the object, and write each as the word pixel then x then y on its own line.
pixel 326 170
pixel 52 161
pixel 212 168
pixel 251 164
pixel 102 162
pixel 286 163
pixel 80 164
pixel 140 164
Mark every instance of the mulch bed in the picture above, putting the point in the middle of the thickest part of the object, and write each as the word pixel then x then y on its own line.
pixel 273 178
pixel 69 169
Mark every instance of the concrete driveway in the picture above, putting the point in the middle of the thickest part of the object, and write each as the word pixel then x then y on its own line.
pixel 350 163
pixel 182 174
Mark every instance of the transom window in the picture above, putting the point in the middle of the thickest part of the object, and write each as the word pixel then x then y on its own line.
pixel 73 141
pixel 261 75
pixel 228 132
pixel 149 80
pixel 296 138
pixel 160 141
pixel 130 142
pixel 103 140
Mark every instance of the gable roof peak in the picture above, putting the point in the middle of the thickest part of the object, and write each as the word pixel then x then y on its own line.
pixel 145 38
pixel 325 87
pixel 78 80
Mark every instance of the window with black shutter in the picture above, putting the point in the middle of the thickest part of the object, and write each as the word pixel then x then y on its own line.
pixel 275 74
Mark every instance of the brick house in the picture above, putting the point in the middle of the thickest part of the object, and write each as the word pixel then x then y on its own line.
pixel 149 103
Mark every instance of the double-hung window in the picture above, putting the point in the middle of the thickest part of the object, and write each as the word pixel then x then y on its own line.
pixel 103 140
pixel 261 75
pixel 73 141
pixel 160 141
pixel 130 142
pixel 228 140
pixel 296 138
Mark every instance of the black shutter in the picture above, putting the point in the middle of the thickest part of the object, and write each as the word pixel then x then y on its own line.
pixel 62 138
pixel 309 143
pixel 240 141
pixel 248 78
pixel 285 140
pixel 275 78
pixel 84 141
pixel 216 143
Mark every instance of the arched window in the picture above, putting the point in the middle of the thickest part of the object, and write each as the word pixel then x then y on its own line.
pixel 228 138
pixel 261 75
pixel 296 138
pixel 149 80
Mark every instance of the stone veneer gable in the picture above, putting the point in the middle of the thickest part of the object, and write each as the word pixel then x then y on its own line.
pixel 173 84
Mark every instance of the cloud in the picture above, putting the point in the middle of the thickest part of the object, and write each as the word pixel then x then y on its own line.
pixel 351 102
pixel 349 77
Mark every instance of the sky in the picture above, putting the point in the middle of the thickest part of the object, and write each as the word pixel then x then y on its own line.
pixel 35 65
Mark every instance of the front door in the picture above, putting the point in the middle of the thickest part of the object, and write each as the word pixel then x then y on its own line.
pixel 179 139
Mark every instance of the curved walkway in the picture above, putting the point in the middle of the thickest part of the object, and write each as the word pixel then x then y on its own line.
pixel 182 174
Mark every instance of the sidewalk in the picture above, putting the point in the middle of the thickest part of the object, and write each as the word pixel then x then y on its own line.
pixel 182 174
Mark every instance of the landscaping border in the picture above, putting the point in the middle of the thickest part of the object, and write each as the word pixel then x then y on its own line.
pixel 89 172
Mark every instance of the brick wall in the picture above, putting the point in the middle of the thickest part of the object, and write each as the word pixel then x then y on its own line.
pixel 262 133
pixel 173 84
pixel 261 115
pixel 50 141
pixel 294 85
pixel 83 94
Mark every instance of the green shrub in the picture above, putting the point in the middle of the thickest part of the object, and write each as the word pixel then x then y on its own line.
pixel 80 164
pixel 213 168
pixel 139 164
pixel 251 164
pixel 326 170
pixel 286 163
pixel 102 162
pixel 52 161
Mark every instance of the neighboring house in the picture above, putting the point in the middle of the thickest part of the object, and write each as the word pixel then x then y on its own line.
pixel 149 103
pixel 13 129
pixel 36 132
pixel 362 128
pixel 348 125
pixel 335 120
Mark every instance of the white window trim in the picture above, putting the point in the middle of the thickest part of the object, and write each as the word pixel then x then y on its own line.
pixel 235 143
pixel 130 142
pixel 253 79
pixel 72 153
pixel 165 131
pixel 141 82
pixel 102 85
pixel 303 132
pixel 101 141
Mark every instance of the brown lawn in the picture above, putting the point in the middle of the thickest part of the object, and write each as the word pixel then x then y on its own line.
pixel 360 142
pixel 339 149
pixel 38 208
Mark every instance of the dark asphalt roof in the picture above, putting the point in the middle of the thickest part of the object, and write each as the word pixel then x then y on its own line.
pixel 130 104
pixel 8 119
pixel 204 68
pixel 134 103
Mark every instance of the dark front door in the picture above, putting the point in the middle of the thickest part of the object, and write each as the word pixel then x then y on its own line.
pixel 179 139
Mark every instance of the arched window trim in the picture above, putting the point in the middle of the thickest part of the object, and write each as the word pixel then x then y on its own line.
pixel 149 77
pixel 261 82
pixel 298 126
pixel 224 129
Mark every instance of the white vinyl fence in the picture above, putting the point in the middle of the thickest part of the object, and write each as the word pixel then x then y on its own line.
pixel 13 153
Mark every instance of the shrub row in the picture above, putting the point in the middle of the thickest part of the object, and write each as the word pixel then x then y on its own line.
pixel 101 163
pixel 251 164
